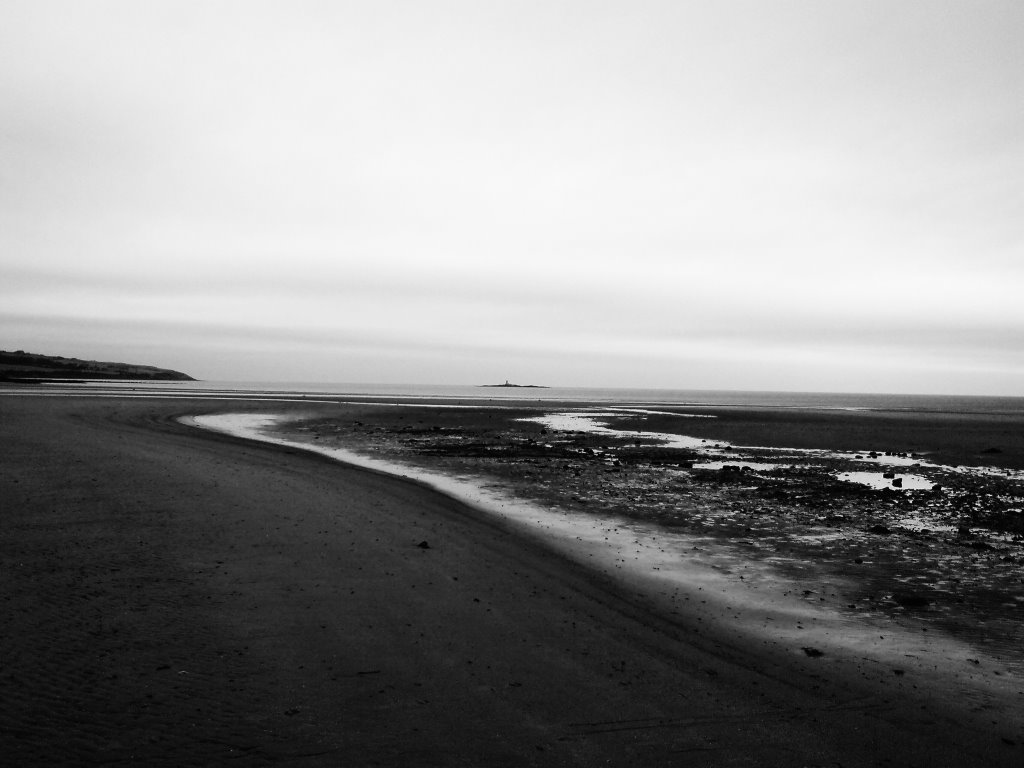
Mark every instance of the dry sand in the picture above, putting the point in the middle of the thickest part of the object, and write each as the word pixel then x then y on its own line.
pixel 178 597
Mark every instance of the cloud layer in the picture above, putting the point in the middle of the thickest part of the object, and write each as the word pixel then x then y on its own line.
pixel 780 195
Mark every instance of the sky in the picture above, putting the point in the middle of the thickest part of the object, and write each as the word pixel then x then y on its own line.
pixel 744 194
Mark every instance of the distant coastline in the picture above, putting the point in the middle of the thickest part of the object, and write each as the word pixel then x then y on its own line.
pixel 27 367
pixel 515 386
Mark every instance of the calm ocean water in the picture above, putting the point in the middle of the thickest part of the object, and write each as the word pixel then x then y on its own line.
pixel 828 400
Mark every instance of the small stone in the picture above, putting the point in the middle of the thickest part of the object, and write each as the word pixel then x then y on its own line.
pixel 911 599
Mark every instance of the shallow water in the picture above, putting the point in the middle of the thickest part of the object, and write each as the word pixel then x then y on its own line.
pixel 591 422
pixel 588 422
pixel 896 480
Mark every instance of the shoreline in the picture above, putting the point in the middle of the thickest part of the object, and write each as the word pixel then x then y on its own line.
pixel 736 596
pixel 291 593
pixel 917 555
pixel 959 436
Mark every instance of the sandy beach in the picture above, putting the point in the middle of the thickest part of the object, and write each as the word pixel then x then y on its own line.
pixel 180 597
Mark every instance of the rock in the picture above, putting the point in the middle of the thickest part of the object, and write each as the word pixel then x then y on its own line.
pixel 911 599
pixel 881 530
pixel 423 545
pixel 897 482
pixel 814 653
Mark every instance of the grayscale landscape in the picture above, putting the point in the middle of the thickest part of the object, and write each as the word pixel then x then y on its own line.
pixel 469 383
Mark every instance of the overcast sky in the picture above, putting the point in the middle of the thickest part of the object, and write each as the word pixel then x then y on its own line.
pixel 744 195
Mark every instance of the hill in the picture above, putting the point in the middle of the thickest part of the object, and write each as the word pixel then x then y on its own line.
pixel 21 366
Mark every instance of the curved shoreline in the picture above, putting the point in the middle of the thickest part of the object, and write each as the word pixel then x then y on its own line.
pixel 740 600
pixel 291 592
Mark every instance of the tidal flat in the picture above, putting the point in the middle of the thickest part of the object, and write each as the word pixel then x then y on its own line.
pixel 182 596
pixel 860 512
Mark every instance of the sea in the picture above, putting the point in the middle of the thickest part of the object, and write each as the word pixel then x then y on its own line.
pixel 909 403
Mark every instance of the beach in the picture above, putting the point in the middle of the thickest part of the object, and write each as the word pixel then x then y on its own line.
pixel 869 513
pixel 178 596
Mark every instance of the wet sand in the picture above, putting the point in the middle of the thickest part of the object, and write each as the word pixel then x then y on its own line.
pixel 947 556
pixel 181 597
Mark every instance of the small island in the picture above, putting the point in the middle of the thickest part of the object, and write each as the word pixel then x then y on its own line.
pixel 27 367
pixel 516 386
